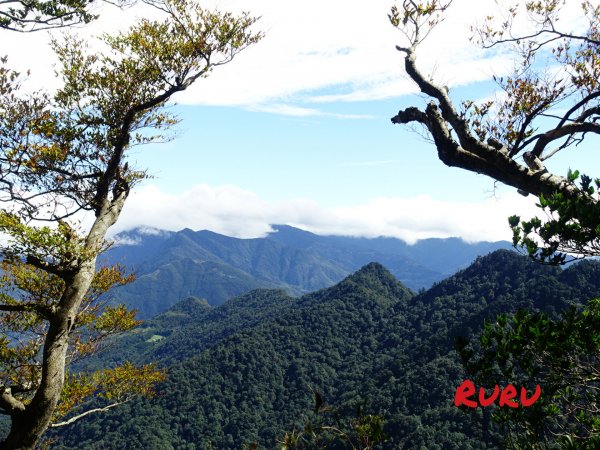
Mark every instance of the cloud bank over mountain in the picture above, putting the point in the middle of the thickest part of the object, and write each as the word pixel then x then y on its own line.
pixel 237 212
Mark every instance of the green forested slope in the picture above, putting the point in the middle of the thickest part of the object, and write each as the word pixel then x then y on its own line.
pixel 368 336
pixel 174 265
pixel 192 325
pixel 154 292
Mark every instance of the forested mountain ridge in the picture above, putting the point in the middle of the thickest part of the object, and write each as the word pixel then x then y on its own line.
pixel 174 265
pixel 495 284
pixel 241 377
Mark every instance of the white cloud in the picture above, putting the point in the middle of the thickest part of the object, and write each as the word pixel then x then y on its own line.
pixel 143 230
pixel 237 212
pixel 314 51
pixel 339 43
pixel 225 209
pixel 299 111
pixel 150 231
pixel 126 241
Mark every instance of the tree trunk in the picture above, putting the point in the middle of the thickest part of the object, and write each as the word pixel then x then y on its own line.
pixel 28 426
pixel 25 431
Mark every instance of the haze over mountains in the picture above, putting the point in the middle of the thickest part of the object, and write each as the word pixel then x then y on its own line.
pixel 174 265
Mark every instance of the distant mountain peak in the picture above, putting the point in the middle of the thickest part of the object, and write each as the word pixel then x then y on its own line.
pixel 502 258
pixel 378 279
pixel 276 227
pixel 146 230
pixel 135 236
pixel 373 270
pixel 190 304
pixel 291 235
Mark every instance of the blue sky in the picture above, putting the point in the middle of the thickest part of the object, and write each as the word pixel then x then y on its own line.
pixel 297 129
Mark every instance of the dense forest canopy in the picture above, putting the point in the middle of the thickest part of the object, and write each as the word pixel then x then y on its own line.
pixel 243 372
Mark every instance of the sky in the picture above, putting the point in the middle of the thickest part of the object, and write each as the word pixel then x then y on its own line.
pixel 296 129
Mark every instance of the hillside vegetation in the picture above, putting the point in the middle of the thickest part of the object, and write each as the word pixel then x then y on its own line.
pixel 243 372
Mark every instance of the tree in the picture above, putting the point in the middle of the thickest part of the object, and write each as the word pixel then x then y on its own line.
pixel 544 111
pixel 324 427
pixel 34 15
pixel 65 155
pixel 541 114
pixel 562 355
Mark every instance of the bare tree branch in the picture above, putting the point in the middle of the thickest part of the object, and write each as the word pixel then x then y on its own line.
pixel 86 413
pixel 566 130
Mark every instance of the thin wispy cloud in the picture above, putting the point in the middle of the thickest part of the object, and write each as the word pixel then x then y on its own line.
pixel 300 111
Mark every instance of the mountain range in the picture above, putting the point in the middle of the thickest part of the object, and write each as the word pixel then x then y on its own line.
pixel 171 266
pixel 244 372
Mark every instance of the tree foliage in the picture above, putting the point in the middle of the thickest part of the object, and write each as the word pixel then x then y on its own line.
pixel 562 355
pixel 33 15
pixel 571 229
pixel 325 428
pixel 63 155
